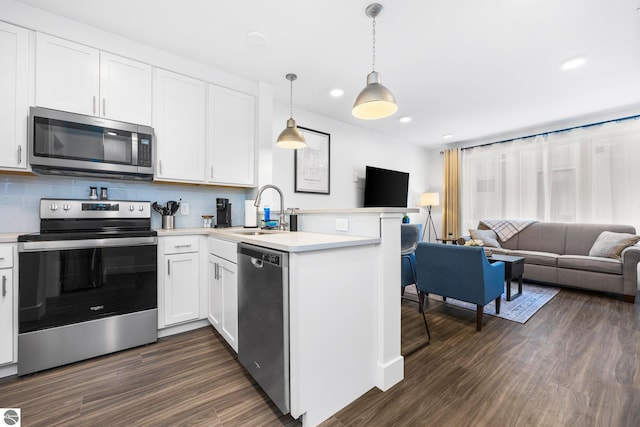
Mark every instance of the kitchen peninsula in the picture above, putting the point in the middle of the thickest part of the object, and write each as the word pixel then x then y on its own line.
pixel 344 303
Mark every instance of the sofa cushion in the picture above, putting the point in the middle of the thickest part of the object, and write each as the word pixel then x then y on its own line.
pixel 488 237
pixel 589 263
pixel 538 258
pixel 580 237
pixel 542 237
pixel 610 244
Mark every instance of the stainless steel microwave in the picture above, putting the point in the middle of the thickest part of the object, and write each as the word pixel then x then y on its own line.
pixel 74 144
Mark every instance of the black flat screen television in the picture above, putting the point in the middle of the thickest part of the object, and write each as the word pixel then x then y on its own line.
pixel 384 188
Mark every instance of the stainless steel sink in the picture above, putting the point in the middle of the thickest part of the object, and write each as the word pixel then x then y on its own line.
pixel 255 232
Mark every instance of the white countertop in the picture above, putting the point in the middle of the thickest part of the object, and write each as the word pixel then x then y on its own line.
pixel 360 211
pixel 289 241
pixel 10 237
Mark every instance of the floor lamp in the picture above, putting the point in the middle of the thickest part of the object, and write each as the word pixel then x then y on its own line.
pixel 429 200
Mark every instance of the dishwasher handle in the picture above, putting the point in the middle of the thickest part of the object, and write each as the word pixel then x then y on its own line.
pixel 257 263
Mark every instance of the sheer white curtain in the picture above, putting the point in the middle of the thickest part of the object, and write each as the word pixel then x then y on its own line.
pixel 587 174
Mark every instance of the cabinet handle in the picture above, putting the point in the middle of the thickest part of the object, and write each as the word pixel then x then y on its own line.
pixel 19 154
pixel 181 246
pixel 168 267
pixel 104 107
pixel 160 166
pixel 94 105
pixel 4 285
pixel 217 271
pixel 211 173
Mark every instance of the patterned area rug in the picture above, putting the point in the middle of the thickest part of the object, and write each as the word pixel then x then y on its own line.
pixel 518 310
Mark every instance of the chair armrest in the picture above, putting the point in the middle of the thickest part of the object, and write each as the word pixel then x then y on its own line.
pixel 630 259
pixel 494 285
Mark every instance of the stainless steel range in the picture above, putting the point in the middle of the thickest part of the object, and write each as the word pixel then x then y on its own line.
pixel 87 282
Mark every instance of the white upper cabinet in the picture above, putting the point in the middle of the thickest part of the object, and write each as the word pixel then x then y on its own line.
pixel 231 137
pixel 67 75
pixel 14 96
pixel 179 122
pixel 76 78
pixel 125 89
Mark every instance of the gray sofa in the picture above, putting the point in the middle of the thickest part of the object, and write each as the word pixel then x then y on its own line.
pixel 558 253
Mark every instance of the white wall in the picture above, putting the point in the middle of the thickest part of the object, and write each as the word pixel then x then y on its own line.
pixel 352 148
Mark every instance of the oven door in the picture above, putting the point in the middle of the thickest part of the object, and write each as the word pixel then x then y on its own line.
pixel 72 281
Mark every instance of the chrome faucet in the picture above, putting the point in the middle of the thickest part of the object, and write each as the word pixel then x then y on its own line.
pixel 282 226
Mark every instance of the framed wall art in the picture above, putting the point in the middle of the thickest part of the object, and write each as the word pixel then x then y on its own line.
pixel 312 163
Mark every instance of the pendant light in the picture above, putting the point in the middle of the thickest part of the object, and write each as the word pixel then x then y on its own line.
pixel 375 101
pixel 291 137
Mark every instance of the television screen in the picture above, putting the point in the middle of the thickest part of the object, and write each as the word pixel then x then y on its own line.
pixel 385 188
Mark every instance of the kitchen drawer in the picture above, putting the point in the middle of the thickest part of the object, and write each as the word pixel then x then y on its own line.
pixel 224 249
pixel 181 244
pixel 6 256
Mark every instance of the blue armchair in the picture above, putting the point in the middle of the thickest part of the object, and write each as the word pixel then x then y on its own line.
pixel 460 272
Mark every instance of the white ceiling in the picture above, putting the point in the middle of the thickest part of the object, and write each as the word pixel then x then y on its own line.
pixel 464 67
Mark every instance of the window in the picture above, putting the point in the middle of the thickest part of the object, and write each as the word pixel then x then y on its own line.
pixel 586 174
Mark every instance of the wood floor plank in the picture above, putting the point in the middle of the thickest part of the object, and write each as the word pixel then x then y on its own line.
pixel 575 362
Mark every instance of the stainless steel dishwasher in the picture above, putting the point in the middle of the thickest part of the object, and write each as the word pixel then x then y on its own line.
pixel 263 319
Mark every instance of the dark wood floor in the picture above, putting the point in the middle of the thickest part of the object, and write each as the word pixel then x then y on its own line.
pixel 575 363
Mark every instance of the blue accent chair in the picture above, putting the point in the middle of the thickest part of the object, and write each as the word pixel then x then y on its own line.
pixel 460 272
pixel 409 239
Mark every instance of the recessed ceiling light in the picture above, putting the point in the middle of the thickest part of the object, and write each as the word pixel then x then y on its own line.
pixel 572 63
pixel 405 119
pixel 337 92
pixel 255 38
pixel 447 136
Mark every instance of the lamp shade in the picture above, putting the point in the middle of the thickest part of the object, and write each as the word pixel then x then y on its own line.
pixel 429 199
pixel 291 137
pixel 375 101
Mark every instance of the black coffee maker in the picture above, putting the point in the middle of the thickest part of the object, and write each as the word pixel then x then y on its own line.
pixel 223 217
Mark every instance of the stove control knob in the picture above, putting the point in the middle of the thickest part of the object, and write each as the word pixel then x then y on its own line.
pixel 53 207
pixel 131 208
pixel 66 207
pixel 141 208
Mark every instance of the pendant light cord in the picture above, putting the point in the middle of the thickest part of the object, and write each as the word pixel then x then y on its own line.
pixel 291 99
pixel 373 67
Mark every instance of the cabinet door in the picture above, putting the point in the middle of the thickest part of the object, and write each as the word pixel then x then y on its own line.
pixel 229 273
pixel 231 137
pixel 181 292
pixel 125 89
pixel 215 293
pixel 14 98
pixel 179 122
pixel 67 75
pixel 223 299
pixel 6 316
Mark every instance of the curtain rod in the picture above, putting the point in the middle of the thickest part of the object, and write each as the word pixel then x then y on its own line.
pixel 555 131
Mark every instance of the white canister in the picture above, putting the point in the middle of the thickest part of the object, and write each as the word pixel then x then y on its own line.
pixel 250 214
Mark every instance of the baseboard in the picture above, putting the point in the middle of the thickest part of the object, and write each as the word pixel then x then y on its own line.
pixel 183 327
pixel 390 374
pixel 8 370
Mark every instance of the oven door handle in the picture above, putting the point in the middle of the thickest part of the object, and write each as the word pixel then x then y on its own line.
pixel 58 245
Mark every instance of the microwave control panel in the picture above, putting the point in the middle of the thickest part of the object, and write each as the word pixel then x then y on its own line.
pixel 145 155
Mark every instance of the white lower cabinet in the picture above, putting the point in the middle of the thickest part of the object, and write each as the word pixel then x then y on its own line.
pixel 180 296
pixel 8 326
pixel 223 290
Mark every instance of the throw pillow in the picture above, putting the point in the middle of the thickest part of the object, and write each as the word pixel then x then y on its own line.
pixel 488 237
pixel 610 244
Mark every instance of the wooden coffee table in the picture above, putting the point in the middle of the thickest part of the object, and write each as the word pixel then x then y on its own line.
pixel 513 269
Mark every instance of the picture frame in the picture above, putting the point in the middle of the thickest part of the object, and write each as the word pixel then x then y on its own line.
pixel 312 164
